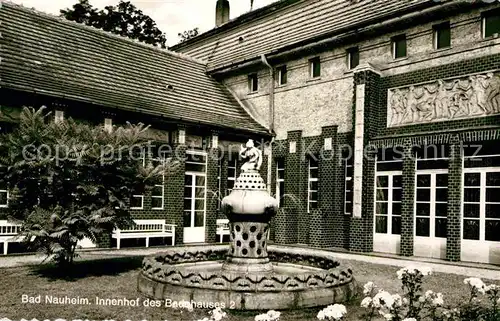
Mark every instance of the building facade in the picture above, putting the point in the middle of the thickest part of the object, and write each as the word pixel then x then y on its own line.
pixel 387 120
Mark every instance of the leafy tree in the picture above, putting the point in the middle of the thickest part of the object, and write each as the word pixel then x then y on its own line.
pixel 188 34
pixel 70 180
pixel 124 19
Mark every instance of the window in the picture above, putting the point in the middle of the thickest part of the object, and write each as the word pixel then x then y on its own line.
pixel 158 192
pixel 108 124
pixel 315 67
pixel 442 35
pixel 137 200
pixel 232 164
pixel 491 23
pixel 352 57
pixel 348 172
pixel 59 116
pixel 312 202
pixel 280 181
pixel 4 196
pixel 399 46
pixel 253 83
pixel 282 75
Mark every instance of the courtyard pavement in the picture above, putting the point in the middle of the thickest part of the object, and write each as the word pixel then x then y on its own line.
pixel 483 271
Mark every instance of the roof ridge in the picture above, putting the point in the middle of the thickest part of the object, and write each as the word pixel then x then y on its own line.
pixel 100 31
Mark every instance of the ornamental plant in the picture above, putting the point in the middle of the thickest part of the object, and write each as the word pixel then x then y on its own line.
pixel 69 181
pixel 416 305
pixel 271 315
pixel 335 312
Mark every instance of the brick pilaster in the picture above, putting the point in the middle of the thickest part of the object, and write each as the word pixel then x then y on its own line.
pixel 407 201
pixel 292 188
pixel 212 197
pixel 453 241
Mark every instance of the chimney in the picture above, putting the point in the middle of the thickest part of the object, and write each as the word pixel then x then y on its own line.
pixel 221 12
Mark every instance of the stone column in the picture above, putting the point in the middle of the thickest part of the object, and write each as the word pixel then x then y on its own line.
pixel 408 201
pixel 454 238
pixel 366 96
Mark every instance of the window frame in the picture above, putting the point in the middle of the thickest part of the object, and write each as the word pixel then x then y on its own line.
pixel 394 40
pixel 108 124
pixel 253 83
pixel 484 16
pixel 312 64
pixel 279 180
pixel 435 32
pixel 6 191
pixel 282 70
pixel 231 164
pixel 141 196
pixel 350 52
pixel 58 116
pixel 309 181
pixel 348 163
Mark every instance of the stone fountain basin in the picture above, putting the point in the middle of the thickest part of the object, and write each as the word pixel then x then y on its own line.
pixel 301 278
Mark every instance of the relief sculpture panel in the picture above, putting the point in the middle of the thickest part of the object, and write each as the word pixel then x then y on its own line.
pixel 444 99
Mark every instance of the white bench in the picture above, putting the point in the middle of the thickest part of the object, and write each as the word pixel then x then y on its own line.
pixel 145 229
pixel 9 233
pixel 222 228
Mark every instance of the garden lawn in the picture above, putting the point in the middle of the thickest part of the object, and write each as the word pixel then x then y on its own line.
pixel 117 278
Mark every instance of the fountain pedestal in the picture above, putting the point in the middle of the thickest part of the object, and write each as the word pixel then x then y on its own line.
pixel 249 209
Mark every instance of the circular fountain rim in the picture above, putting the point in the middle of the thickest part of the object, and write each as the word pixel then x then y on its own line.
pixel 166 268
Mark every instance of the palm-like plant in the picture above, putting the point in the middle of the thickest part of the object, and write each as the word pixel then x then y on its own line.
pixel 71 181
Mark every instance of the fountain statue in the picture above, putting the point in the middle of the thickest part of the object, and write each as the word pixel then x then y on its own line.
pixel 249 209
pixel 249 275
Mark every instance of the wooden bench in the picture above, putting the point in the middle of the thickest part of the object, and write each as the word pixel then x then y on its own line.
pixel 145 229
pixel 222 228
pixel 9 233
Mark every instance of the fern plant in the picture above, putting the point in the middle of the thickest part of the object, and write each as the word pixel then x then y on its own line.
pixel 69 181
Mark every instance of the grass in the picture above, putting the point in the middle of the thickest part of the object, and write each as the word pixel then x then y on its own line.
pixel 116 278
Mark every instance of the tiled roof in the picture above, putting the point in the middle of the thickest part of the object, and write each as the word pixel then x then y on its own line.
pixel 49 55
pixel 288 24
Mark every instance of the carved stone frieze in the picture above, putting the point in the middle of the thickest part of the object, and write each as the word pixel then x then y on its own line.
pixel 444 99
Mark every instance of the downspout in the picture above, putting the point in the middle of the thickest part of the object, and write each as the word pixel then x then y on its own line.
pixel 271 120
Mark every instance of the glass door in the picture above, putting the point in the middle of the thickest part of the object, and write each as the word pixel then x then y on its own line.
pixel 387 225
pixel 195 186
pixel 431 208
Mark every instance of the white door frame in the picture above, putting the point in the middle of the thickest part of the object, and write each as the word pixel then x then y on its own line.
pixel 196 234
pixel 428 246
pixel 386 242
pixel 481 251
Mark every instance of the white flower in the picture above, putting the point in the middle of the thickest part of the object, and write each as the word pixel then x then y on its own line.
pixel 334 312
pixel 438 300
pixel 366 303
pixel 262 317
pixel 273 315
pixel 368 288
pixel 388 316
pixel 405 301
pixel 218 314
pixel 476 283
pixel 397 300
pixel 383 298
pixel 410 319
pixel 429 294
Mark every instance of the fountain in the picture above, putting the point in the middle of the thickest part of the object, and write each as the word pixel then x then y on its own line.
pixel 250 275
